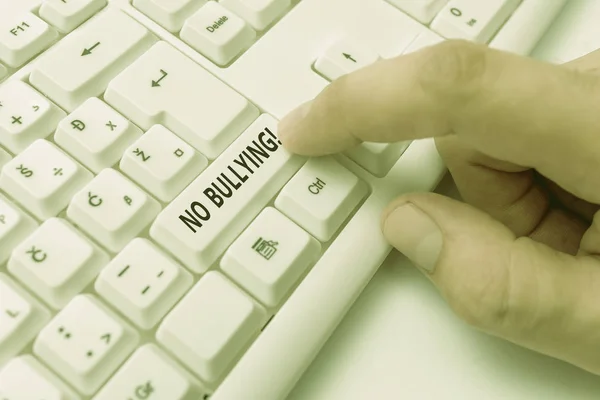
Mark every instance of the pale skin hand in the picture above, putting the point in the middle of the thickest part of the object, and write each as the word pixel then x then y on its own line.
pixel 522 141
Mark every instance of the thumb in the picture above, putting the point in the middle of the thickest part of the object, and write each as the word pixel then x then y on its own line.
pixel 514 288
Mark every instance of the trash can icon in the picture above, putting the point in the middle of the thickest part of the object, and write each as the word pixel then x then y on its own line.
pixel 266 248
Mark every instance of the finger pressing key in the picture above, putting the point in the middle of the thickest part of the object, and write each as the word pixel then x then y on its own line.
pixel 508 107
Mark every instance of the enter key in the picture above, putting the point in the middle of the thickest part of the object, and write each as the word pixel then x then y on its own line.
pixel 165 87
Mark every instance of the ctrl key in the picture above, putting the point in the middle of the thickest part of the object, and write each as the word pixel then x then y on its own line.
pixel 321 196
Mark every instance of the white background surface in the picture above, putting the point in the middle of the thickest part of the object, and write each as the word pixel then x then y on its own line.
pixel 401 341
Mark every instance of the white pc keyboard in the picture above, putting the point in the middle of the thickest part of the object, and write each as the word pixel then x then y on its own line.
pixel 151 225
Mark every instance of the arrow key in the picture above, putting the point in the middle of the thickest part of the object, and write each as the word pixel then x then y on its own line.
pixel 81 65
pixel 345 56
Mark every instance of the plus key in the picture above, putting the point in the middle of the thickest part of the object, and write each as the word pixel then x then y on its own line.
pixel 25 115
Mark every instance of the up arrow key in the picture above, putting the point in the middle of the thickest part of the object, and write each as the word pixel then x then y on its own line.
pixel 354 55
pixel 86 52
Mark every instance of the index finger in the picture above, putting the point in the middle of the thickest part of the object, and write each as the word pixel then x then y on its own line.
pixel 508 107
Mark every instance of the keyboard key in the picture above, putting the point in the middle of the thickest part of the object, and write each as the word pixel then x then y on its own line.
pixel 162 163
pixel 217 33
pixel 258 13
pixel 15 226
pixel 3 72
pixel 534 17
pixel 199 225
pixel 170 14
pixel 112 210
pixel 56 262
pixel 425 38
pixel 84 343
pixel 21 317
pixel 25 115
pixel 473 19
pixel 67 15
pixel 321 196
pixel 344 56
pixel 269 257
pixel 4 157
pixel 211 326
pixel 96 135
pixel 22 37
pixel 26 378
pixel 82 64
pixel 421 10
pixel 143 283
pixel 151 374
pixel 377 158
pixel 149 92
pixel 43 179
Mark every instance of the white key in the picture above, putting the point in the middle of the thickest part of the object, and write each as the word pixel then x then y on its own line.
pixel 25 115
pixel 25 378
pixel 151 374
pixel 162 163
pixel 67 15
pixel 321 196
pixel 43 179
pixel 96 135
pixel 344 56
pixel 3 72
pixel 112 209
pixel 170 14
pixel 425 39
pixel 4 157
pixel 210 115
pixel 21 317
pixel 258 13
pixel 473 20
pixel 22 37
pixel 377 158
pixel 217 33
pixel 421 10
pixel 56 262
pixel 210 326
pixel 84 343
pixel 82 64
pixel 545 13
pixel 143 283
pixel 215 208
pixel 269 257
pixel 15 226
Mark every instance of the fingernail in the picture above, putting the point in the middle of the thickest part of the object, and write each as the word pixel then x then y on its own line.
pixel 287 124
pixel 414 233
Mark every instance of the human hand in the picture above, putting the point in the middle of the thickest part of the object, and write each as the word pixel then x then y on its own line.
pixel 522 141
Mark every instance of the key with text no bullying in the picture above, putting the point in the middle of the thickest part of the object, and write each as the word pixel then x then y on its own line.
pixel 237 172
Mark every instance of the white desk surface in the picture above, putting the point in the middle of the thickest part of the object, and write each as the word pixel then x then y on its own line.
pixel 401 341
